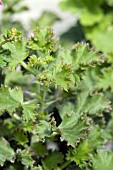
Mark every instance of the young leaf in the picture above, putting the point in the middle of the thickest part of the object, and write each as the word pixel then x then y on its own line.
pixel 20 137
pixel 63 76
pixel 42 40
pixel 18 52
pixel 29 110
pixel 43 129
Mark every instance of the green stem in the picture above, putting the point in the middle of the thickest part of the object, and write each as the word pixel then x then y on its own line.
pixel 54 134
pixel 64 165
pixel 44 96
pixel 43 102
pixel 38 88
pixel 27 68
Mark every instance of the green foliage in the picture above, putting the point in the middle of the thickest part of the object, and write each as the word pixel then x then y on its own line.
pixel 46 19
pixel 87 16
pixel 96 19
pixel 47 97
pixel 80 154
pixel 39 148
pixel 72 129
pixel 42 40
pixel 105 80
pixel 10 99
pixel 25 157
pixel 85 103
pixel 103 160
pixel 6 152
pixel 16 50
pixel 52 160
pixel 10 8
pixel 43 129
pixel 29 110
pixel 96 137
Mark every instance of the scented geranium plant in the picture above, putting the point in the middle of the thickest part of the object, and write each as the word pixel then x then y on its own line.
pixel 52 115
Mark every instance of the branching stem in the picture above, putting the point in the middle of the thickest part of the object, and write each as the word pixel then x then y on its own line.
pixel 27 68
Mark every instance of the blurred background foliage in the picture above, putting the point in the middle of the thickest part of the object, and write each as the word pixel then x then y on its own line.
pixel 95 19
pixel 10 8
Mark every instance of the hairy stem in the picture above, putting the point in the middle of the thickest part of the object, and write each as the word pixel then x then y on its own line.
pixel 27 68
pixel 43 102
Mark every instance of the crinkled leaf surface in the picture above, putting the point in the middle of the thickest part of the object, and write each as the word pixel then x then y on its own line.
pixel 43 129
pixel 42 40
pixel 95 137
pixel 66 108
pixel 105 80
pixel 91 103
pixel 67 70
pixel 83 55
pixel 6 152
pixel 72 129
pixel 16 94
pixel 103 160
pixel 89 80
pixel 10 99
pixel 29 110
pixel 20 137
pixel 18 52
pixel 26 157
pixel 63 76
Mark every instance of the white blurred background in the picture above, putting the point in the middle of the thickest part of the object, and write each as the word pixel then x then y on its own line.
pixel 38 6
